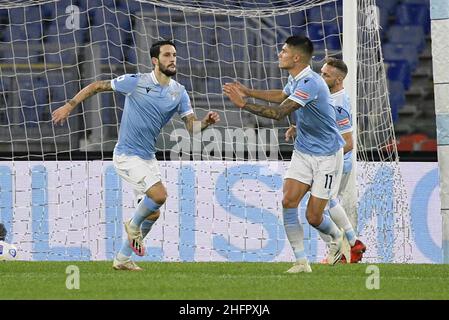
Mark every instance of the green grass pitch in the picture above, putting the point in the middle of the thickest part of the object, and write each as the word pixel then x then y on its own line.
pixel 234 281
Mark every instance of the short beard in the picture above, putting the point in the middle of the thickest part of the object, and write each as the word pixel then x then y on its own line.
pixel 167 72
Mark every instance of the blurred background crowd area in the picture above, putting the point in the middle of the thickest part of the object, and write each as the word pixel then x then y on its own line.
pixel 43 63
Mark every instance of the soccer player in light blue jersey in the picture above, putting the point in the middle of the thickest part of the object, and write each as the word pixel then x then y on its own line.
pixel 334 72
pixel 151 101
pixel 317 160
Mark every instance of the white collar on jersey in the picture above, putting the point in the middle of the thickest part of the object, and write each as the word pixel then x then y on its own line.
pixel 153 77
pixel 342 91
pixel 303 73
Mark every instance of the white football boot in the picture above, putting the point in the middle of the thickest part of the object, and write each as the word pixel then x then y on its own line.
pixel 300 266
pixel 125 265
pixel 335 250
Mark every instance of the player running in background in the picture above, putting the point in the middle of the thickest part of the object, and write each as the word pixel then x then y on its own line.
pixel 317 160
pixel 151 101
pixel 334 72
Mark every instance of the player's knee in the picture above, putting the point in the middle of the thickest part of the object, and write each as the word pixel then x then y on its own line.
pixel 288 202
pixel 158 194
pixel 160 197
pixel 313 218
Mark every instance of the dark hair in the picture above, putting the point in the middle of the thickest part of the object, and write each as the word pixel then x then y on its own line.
pixel 155 49
pixel 302 43
pixel 338 64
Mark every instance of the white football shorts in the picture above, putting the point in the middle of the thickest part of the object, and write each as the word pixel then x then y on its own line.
pixel 343 183
pixel 141 174
pixel 321 173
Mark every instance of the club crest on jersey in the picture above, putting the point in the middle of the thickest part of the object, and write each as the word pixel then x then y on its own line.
pixel 174 95
pixel 301 94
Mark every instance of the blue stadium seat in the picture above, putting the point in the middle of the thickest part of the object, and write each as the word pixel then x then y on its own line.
pixel 16 16
pixel 293 19
pixel 20 53
pixel 325 36
pixel 413 35
pixel 399 70
pixel 324 13
pixel 55 34
pixel 388 5
pixel 414 14
pixel 65 56
pixel 165 32
pixel 130 6
pixel 112 53
pixel 231 45
pixel 270 53
pixel 34 30
pixel 425 2
pixel 315 31
pixel 106 108
pixel 396 94
pixel 182 51
pixel 395 52
pixel 293 30
pixel 130 55
pixel 15 33
pixel 27 100
pixel 57 94
pixel 185 81
pixel 41 93
pixel 110 17
pixel 98 34
pixel 115 36
pixel 384 15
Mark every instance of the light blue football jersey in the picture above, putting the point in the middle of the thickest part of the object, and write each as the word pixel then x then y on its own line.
pixel 148 107
pixel 316 128
pixel 344 122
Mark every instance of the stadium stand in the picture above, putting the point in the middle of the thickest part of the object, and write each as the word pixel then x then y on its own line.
pixel 405 33
pixel 407 57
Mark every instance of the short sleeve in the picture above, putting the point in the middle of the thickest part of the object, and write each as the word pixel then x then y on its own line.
pixel 343 120
pixel 125 84
pixel 185 107
pixel 287 90
pixel 305 91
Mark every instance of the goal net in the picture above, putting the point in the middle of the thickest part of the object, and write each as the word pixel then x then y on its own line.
pixel 60 196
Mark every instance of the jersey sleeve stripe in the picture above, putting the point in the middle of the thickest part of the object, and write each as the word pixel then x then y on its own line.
pixel 343 122
pixel 302 103
pixel 302 94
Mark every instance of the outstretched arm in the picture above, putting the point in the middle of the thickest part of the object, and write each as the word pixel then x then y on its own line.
pixel 210 118
pixel 62 113
pixel 277 113
pixel 276 96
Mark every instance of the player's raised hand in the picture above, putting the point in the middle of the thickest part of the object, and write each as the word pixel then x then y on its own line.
pixel 290 133
pixel 61 114
pixel 211 118
pixel 234 95
pixel 243 90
